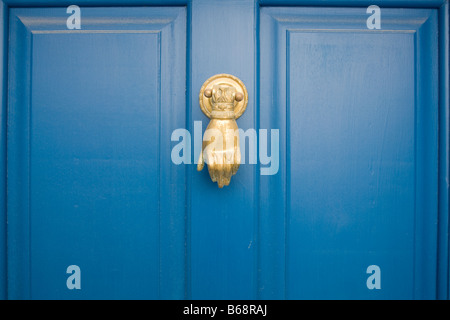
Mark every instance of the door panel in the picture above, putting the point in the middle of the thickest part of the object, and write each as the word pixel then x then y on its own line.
pixel 91 182
pixel 358 109
pixel 90 176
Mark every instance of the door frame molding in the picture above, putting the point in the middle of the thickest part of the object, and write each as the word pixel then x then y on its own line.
pixel 443 7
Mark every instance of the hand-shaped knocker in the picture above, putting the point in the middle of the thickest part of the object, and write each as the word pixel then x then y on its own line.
pixel 223 98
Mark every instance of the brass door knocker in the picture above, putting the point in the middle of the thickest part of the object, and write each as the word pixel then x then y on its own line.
pixel 223 98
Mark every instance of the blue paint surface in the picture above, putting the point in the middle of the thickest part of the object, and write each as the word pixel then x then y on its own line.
pixel 90 112
pixel 91 183
pixel 222 221
pixel 3 89
pixel 358 111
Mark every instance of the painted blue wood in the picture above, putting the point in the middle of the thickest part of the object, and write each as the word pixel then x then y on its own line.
pixel 94 3
pixel 356 3
pixel 19 61
pixel 3 88
pixel 444 154
pixel 341 3
pixel 358 115
pixel 272 208
pixel 222 243
pixel 427 124
pixel 90 113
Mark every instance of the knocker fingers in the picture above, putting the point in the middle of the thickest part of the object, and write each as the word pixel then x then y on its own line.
pixel 221 151
pixel 201 163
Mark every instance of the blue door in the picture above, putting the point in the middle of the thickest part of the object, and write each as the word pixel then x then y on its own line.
pixel 96 208
pixel 91 189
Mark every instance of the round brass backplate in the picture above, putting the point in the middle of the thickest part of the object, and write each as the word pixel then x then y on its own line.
pixel 227 80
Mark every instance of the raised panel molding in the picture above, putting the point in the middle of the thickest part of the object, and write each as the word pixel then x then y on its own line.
pixel 165 30
pixel 417 30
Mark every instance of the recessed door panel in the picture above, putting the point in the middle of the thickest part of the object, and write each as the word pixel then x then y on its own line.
pixel 89 112
pixel 357 209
